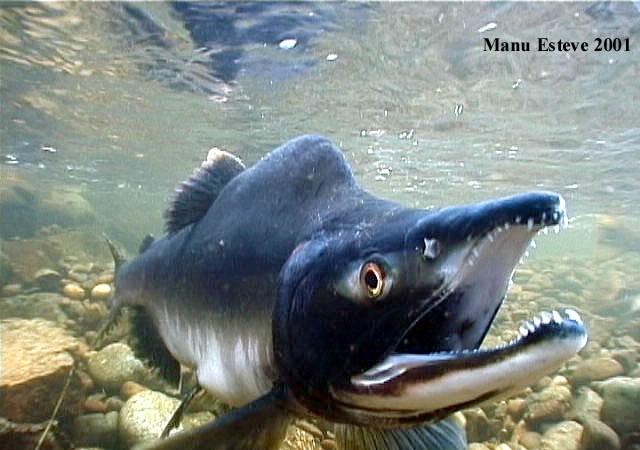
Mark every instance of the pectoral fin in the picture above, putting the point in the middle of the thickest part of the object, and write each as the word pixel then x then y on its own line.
pixel 444 435
pixel 262 424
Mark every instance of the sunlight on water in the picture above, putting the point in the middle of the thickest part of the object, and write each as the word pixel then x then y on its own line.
pixel 106 107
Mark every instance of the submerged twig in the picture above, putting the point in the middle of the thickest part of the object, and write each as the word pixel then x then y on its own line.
pixel 57 407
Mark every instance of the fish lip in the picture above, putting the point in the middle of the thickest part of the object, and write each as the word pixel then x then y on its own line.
pixel 399 376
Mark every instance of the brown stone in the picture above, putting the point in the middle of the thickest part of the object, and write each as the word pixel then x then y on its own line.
pixel 549 405
pixel 36 363
pixel 94 405
pixel 131 388
pixel 596 369
pixel 516 407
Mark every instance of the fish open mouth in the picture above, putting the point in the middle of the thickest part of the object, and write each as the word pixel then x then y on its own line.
pixel 437 367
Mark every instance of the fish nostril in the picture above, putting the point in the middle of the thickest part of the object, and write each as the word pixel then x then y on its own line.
pixel 431 248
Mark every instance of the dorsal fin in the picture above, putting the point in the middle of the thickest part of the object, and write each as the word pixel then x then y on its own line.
pixel 195 195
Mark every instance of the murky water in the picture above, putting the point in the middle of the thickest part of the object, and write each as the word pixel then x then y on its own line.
pixel 116 103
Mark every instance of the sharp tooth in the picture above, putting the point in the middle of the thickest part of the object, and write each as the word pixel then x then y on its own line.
pixel 526 253
pixel 533 243
pixel 545 231
pixel 556 229
pixel 507 225
pixel 530 327
pixel 471 262
pixel 556 215
pixel 557 318
pixel 491 237
pixel 573 315
pixel 518 219
pixel 536 322
pixel 546 317
pixel 544 217
pixel 523 331
pixel 530 223
pixel 475 252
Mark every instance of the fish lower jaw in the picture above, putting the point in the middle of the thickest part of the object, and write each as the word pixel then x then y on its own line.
pixel 412 388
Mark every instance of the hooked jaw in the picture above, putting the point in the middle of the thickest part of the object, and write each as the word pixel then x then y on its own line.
pixel 436 367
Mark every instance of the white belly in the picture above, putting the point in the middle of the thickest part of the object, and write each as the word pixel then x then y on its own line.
pixel 232 361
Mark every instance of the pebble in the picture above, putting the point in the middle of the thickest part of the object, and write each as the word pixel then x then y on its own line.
pixel 596 369
pixel 565 435
pixel 478 446
pixel 530 439
pixel 73 291
pixel 96 429
pixel 548 405
pixel 621 406
pixel 131 388
pixel 599 436
pixel 516 407
pixel 114 365
pixel 47 279
pixel 11 289
pixel 113 404
pixel 94 405
pixel 502 446
pixel 143 416
pixel 106 278
pixel 478 427
pixel 79 277
pixel 587 404
pixel 101 291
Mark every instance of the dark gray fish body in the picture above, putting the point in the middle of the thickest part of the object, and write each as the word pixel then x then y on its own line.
pixel 290 289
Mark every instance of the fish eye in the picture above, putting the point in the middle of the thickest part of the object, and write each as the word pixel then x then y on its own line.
pixel 372 278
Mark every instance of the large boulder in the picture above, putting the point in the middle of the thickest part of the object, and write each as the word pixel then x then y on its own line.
pixel 36 364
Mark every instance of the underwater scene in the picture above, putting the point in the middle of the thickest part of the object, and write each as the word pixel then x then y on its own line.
pixel 446 259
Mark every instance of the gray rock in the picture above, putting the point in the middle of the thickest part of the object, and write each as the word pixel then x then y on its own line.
pixel 621 407
pixel 19 197
pixel 113 365
pixel 96 430
pixel 66 207
pixel 143 416
pixel 562 436
pixel 599 436
pixel 586 405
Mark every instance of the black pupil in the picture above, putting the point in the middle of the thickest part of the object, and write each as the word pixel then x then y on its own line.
pixel 371 279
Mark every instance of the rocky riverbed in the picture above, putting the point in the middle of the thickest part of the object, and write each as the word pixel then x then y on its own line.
pixel 54 294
